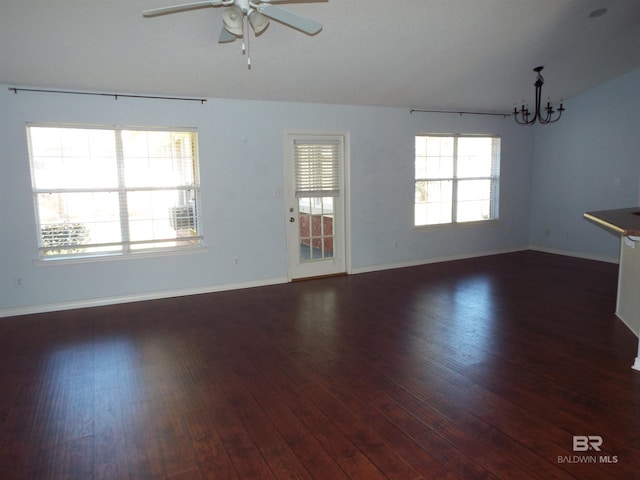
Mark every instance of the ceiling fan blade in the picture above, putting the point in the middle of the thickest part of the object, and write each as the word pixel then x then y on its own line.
pixel 181 8
pixel 226 36
pixel 292 1
pixel 290 18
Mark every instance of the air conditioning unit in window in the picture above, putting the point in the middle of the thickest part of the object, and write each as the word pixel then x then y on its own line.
pixel 183 217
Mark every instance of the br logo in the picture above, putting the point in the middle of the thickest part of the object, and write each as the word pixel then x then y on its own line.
pixel 583 443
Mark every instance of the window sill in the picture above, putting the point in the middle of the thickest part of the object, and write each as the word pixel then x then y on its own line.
pixel 41 262
pixel 459 225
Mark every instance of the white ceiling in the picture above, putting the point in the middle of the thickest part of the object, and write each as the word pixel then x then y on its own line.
pixel 474 55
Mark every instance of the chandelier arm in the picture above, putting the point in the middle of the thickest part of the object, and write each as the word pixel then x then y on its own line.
pixel 547 111
pixel 557 118
pixel 524 115
pixel 525 119
pixel 533 117
pixel 550 111
pixel 550 114
pixel 521 113
pixel 559 112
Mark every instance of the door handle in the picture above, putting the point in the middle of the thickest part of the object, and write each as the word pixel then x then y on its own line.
pixel 292 219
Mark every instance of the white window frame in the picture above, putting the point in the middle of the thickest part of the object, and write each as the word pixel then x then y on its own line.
pixel 494 179
pixel 126 247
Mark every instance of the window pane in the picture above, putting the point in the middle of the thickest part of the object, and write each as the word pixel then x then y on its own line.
pixel 474 157
pixel 473 211
pixel 474 190
pixel 433 202
pixel 439 167
pixel 160 215
pixel 474 200
pixel 315 220
pixel 440 146
pixel 78 219
pixel 439 191
pixel 73 158
pixel 159 159
pixel 434 157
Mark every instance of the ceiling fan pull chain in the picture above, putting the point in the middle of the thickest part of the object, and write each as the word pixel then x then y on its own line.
pixel 245 38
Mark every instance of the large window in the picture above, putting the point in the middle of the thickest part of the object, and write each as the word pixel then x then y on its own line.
pixel 457 179
pixel 114 191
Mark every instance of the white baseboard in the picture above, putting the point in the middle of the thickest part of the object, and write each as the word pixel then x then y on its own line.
pixel 569 253
pixel 100 302
pixel 416 263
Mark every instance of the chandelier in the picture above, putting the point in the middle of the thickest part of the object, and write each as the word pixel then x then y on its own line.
pixel 543 115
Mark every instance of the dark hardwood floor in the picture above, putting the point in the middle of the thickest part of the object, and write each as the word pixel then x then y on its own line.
pixel 477 369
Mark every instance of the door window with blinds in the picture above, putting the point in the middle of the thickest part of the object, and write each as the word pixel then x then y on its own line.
pixel 104 190
pixel 457 179
pixel 317 183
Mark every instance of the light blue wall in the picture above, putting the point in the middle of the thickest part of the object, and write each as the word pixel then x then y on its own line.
pixel 551 175
pixel 589 160
pixel 241 164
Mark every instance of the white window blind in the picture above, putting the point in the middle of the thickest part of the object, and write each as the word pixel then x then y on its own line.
pixel 317 168
pixel 110 190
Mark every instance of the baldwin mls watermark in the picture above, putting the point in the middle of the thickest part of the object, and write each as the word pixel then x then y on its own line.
pixel 586 449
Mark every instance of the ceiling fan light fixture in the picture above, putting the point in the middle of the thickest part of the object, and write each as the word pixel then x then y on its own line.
pixel 232 18
pixel 239 14
pixel 258 21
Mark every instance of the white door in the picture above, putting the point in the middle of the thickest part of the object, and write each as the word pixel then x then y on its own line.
pixel 315 204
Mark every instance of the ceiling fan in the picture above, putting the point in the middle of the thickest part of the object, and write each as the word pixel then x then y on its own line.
pixel 256 12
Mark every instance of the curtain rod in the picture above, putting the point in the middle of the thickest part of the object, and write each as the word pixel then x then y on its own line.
pixel 504 115
pixel 114 95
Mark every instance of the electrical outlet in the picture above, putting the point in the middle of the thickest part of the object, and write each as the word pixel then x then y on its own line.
pixel 17 282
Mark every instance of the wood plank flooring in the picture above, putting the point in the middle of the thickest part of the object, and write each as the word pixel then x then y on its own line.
pixel 475 369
